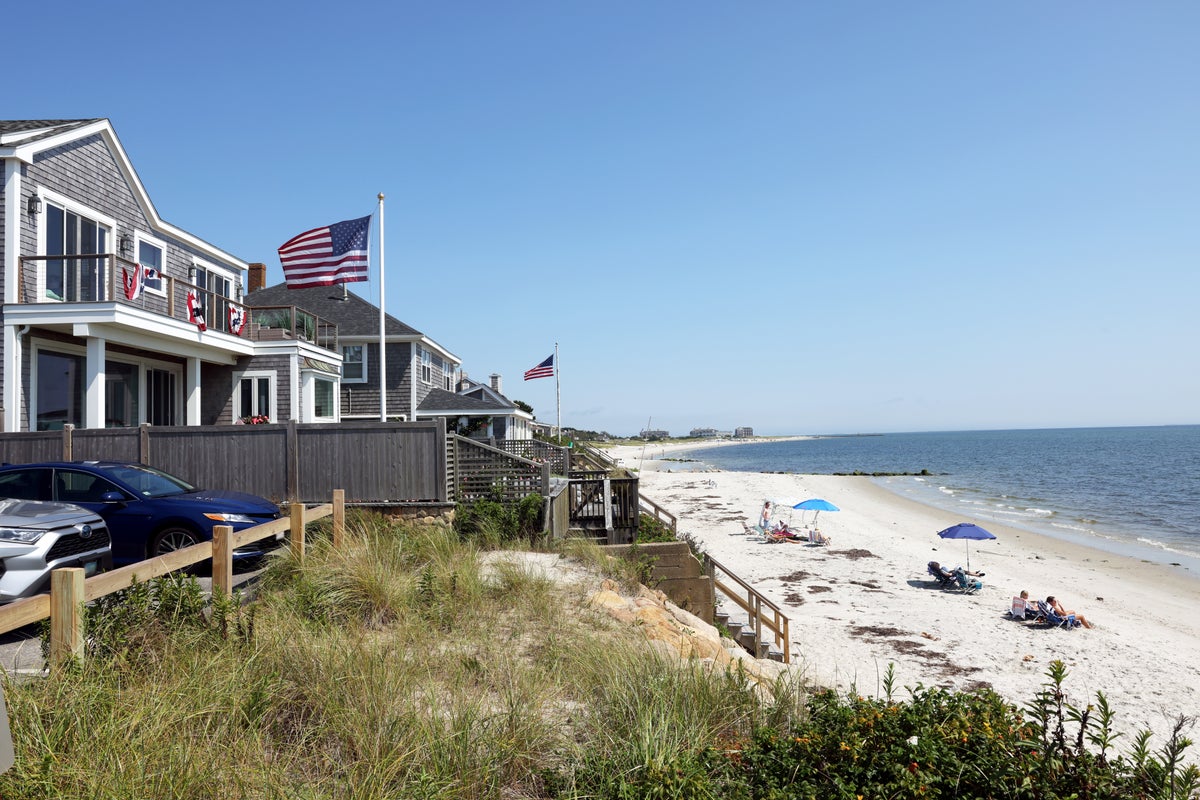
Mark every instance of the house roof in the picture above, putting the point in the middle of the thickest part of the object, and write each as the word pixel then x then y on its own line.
pixel 439 400
pixel 23 139
pixel 354 315
pixel 30 130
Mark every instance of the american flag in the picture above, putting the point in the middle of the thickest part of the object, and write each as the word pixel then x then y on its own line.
pixel 542 370
pixel 336 253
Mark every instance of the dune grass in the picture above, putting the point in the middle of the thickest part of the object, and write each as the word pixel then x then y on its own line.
pixel 396 666
pixel 411 664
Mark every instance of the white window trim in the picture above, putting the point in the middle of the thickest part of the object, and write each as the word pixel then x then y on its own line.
pixel 426 367
pixel 138 238
pixel 273 390
pixel 365 363
pixel 50 196
pixel 310 380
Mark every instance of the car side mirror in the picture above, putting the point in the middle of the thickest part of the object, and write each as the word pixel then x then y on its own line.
pixel 112 497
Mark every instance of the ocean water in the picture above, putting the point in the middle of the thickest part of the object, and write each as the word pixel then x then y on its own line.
pixel 1131 491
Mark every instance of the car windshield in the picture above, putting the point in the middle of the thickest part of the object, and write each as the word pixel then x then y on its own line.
pixel 149 482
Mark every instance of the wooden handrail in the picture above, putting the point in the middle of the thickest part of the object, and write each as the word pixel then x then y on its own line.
pixel 776 622
pixel 660 513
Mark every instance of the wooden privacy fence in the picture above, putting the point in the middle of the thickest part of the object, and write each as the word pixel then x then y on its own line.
pixel 69 590
pixel 762 612
pixel 376 462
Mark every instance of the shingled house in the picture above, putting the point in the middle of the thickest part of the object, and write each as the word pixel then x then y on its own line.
pixel 479 411
pixel 113 316
pixel 416 364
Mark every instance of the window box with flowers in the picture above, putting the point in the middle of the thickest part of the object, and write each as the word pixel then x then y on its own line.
pixel 254 419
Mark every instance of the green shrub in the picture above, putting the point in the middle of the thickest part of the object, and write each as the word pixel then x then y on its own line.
pixel 491 522
pixel 652 529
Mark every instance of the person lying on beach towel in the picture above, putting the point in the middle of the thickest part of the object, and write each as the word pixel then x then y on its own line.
pixel 782 533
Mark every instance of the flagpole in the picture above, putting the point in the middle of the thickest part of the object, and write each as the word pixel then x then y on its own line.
pixel 558 387
pixel 382 316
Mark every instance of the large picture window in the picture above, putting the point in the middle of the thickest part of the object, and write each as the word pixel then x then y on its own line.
pixel 77 278
pixel 60 397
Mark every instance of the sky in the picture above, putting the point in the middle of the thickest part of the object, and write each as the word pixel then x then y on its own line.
pixel 798 217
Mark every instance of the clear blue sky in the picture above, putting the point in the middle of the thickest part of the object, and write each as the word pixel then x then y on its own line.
pixel 801 217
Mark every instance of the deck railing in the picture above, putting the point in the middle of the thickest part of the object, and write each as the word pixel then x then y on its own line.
pixel 101 277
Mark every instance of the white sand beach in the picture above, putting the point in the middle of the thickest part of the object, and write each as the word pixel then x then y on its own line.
pixel 866 600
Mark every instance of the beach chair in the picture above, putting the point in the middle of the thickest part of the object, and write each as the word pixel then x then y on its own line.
pixel 945 579
pixel 1054 620
pixel 816 537
pixel 1024 610
pixel 965 583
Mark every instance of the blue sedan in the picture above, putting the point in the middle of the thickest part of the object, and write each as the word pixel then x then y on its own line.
pixel 149 512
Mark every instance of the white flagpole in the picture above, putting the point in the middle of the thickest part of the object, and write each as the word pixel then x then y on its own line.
pixel 382 346
pixel 558 388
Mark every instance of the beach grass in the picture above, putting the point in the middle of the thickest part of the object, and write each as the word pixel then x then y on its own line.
pixel 411 663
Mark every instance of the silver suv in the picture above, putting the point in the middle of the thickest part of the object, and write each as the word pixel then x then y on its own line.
pixel 36 537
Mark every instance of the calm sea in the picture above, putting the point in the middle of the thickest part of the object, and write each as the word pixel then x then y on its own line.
pixel 1133 491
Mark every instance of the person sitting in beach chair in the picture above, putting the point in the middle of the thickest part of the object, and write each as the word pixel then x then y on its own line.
pixel 1023 608
pixel 944 577
pixel 1061 612
pixel 816 537
pixel 967 582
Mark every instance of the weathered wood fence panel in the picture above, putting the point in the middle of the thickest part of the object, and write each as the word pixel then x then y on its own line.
pixel 28 448
pixel 103 444
pixel 248 458
pixel 375 460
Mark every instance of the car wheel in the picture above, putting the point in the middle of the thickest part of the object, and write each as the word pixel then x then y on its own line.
pixel 172 539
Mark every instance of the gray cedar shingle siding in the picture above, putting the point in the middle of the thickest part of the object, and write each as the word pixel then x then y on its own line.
pixel 87 172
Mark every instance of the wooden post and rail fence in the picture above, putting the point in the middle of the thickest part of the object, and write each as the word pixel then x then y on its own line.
pixel 69 590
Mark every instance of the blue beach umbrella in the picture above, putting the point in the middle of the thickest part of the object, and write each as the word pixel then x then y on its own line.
pixel 967 531
pixel 818 505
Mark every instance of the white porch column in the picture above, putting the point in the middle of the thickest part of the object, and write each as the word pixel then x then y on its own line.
pixel 94 413
pixel 12 385
pixel 191 380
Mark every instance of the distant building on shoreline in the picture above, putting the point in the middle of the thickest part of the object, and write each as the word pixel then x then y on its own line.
pixel 651 435
pixel 745 432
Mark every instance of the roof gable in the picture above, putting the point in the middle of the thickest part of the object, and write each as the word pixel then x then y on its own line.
pixel 25 139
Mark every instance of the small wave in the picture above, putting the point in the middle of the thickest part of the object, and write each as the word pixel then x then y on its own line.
pixel 945 490
pixel 1067 527
pixel 1157 545
pixel 1045 512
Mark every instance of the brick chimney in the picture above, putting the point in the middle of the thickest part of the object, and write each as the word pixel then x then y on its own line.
pixel 496 384
pixel 257 278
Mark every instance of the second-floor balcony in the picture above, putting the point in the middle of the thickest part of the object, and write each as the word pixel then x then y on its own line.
pixel 99 281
